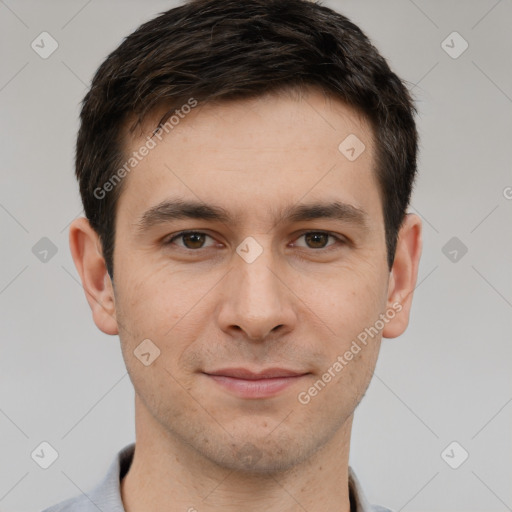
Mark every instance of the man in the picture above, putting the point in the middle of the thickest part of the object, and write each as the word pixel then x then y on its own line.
pixel 245 169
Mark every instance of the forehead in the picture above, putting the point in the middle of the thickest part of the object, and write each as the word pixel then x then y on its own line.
pixel 253 156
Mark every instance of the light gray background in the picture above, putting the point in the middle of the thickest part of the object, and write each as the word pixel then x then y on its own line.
pixel 446 379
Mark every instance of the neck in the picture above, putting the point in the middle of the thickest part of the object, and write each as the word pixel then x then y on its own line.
pixel 168 475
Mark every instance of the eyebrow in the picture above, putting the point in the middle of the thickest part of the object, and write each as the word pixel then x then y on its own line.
pixel 175 209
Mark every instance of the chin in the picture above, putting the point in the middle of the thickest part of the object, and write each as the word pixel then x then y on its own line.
pixel 263 456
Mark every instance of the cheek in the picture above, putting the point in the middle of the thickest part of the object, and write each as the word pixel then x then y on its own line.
pixel 171 309
pixel 154 301
pixel 347 301
pixel 358 364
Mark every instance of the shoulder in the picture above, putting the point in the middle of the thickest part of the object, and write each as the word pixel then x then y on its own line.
pixel 106 496
pixel 77 504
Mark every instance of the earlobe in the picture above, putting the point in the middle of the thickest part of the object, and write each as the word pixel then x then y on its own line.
pixel 86 250
pixel 404 274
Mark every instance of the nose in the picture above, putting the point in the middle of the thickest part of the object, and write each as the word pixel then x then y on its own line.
pixel 256 299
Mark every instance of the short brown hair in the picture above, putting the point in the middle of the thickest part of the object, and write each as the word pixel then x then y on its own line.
pixel 227 49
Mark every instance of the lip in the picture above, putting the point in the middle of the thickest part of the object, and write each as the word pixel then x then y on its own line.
pixel 262 384
pixel 244 373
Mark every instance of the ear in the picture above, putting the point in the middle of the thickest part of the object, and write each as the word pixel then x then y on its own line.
pixel 87 254
pixel 404 273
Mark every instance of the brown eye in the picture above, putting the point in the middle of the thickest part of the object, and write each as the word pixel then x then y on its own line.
pixel 189 240
pixel 193 240
pixel 316 240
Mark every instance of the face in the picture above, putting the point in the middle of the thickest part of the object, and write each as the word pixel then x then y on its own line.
pixel 281 267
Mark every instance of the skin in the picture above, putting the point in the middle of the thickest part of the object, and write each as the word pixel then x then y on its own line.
pixel 299 305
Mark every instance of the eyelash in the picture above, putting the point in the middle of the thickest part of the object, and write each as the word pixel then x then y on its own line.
pixel 338 239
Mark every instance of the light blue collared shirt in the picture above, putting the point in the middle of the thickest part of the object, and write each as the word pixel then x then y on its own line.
pixel 106 496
